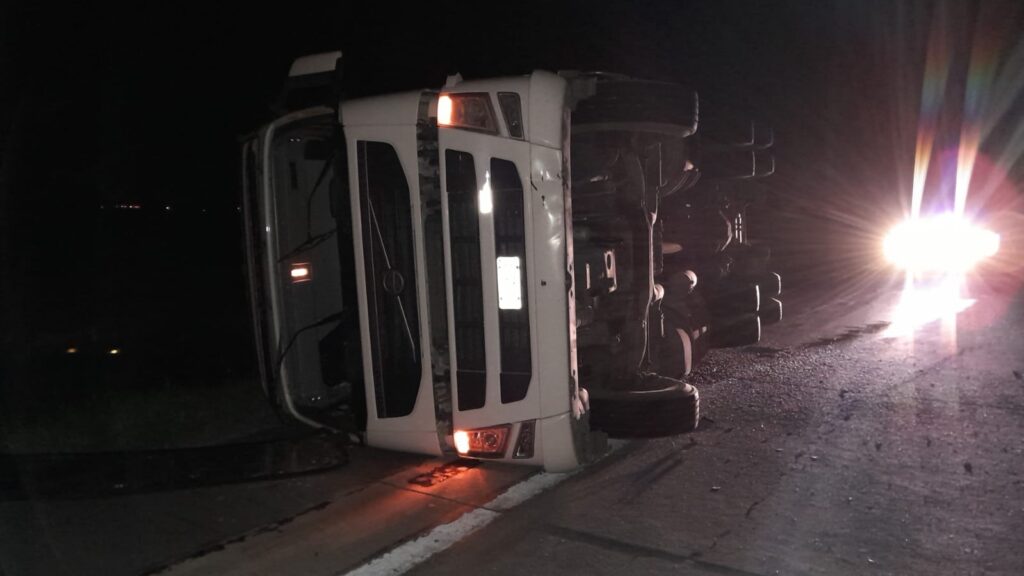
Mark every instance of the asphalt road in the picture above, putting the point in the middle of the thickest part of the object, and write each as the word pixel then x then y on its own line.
pixel 831 448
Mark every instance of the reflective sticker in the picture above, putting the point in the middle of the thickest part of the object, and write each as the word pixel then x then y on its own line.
pixel 510 290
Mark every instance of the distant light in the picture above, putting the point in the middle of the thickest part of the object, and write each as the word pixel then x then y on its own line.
pixel 168 208
pixel 943 243
pixel 444 110
pixel 462 441
pixel 486 201
pixel 72 350
pixel 115 351
pixel 301 272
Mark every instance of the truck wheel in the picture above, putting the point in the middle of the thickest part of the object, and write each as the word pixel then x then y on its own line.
pixel 742 330
pixel 627 101
pixel 667 411
pixel 731 299
pixel 676 353
pixel 771 312
pixel 751 261
pixel 770 284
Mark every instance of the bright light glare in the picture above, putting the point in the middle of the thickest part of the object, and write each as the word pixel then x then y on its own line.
pixel 462 441
pixel 486 201
pixel 300 272
pixel 920 305
pixel 72 350
pixel 510 291
pixel 444 110
pixel 114 351
pixel 943 243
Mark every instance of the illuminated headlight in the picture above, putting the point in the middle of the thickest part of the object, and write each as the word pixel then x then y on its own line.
pixel 462 441
pixel 469 111
pixel 944 243
pixel 482 442
pixel 510 290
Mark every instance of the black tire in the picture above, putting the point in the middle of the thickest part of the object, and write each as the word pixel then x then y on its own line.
pixel 674 357
pixel 742 330
pixel 730 299
pixel 771 312
pixel 678 352
pixel 638 101
pixel 770 284
pixel 672 410
pixel 750 261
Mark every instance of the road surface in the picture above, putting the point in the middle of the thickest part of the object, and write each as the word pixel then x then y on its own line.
pixel 838 445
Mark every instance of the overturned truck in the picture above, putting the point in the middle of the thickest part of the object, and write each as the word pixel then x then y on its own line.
pixel 511 268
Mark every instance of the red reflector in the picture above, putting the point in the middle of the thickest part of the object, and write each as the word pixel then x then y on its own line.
pixel 482 441
pixel 301 272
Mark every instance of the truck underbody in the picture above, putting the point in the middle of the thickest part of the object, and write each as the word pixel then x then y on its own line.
pixel 662 273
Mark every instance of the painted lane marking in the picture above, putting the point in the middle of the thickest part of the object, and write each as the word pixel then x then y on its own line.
pixel 440 538
pixel 414 552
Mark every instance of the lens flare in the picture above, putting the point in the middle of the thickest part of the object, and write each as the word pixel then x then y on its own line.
pixel 933 91
pixel 943 243
pixel 937 251
pixel 921 305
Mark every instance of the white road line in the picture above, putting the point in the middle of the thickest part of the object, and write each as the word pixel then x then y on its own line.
pixel 408 555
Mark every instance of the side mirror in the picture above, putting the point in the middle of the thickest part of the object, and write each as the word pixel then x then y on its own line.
pixel 312 81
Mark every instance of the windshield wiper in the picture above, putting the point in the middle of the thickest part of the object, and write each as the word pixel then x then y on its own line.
pixel 308 244
pixel 312 241
pixel 340 315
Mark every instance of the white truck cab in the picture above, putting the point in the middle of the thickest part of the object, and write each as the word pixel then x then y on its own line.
pixel 419 275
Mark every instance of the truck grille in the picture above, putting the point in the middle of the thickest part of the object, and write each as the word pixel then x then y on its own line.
pixel 510 240
pixel 467 289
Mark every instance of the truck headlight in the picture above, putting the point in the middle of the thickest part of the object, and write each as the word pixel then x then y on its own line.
pixel 943 243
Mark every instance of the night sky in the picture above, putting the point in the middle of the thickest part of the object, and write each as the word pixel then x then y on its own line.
pixel 108 106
